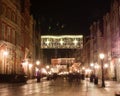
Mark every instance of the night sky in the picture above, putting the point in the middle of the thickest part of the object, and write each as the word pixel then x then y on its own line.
pixel 67 17
pixel 58 17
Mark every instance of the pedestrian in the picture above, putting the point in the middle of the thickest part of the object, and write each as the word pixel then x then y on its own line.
pixel 38 76
pixel 96 80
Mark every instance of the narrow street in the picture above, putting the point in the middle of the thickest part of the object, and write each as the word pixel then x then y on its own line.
pixel 59 87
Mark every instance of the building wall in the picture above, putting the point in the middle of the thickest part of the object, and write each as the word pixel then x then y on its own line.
pixel 115 30
pixel 108 43
pixel 16 35
pixel 105 36
pixel 86 53
pixel 96 46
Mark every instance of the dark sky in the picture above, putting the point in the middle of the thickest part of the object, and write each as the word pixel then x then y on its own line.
pixel 69 17
pixel 60 17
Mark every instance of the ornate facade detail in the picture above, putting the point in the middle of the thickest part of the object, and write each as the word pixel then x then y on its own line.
pixel 15 32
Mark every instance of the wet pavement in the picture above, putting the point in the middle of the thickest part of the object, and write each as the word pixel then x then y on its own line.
pixel 60 87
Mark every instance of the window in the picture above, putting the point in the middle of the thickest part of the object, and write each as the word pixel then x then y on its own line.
pixel 3 9
pixel 8 33
pixel 8 13
pixel 13 36
pixel 3 31
pixel 13 17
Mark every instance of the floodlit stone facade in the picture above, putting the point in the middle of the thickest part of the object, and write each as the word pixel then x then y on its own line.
pixel 16 36
pixel 105 37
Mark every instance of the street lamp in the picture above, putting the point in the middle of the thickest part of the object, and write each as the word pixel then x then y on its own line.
pixel 101 55
pixel 47 66
pixel 38 62
pixel 38 71
pixel 92 66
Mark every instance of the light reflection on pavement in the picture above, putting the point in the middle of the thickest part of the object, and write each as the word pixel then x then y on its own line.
pixel 60 87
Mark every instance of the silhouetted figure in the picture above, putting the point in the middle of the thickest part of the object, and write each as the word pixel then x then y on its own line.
pixel 83 76
pixel 92 77
pixel 96 80
pixel 38 76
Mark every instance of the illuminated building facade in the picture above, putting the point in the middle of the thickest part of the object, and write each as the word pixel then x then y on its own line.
pixel 112 26
pixel 105 37
pixel 16 36
pixel 63 64
pixel 62 42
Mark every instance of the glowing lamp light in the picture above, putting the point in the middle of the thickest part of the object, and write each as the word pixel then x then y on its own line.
pixel 119 59
pixel 38 62
pixel 25 63
pixel 101 56
pixel 88 71
pixel 47 67
pixel 47 42
pixel 75 42
pixel 106 65
pixel 52 70
pixel 30 65
pixel 36 69
pixel 91 64
pixel 61 42
pixel 83 68
pixel 97 66
pixel 5 53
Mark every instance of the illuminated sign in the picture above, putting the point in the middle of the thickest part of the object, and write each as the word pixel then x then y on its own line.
pixel 62 42
pixel 62 61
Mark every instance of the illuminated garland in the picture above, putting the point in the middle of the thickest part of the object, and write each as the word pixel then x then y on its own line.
pixel 63 41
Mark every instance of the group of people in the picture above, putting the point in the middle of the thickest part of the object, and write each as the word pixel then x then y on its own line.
pixel 75 77
pixel 71 77
pixel 78 77
pixel 94 78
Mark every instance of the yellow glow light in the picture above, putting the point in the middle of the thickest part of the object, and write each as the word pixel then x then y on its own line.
pixel 38 62
pixel 5 53
pixel 75 42
pixel 61 42
pixel 106 65
pixel 47 42
pixel 47 67
pixel 91 64
pixel 30 65
pixel 101 56
pixel 36 69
